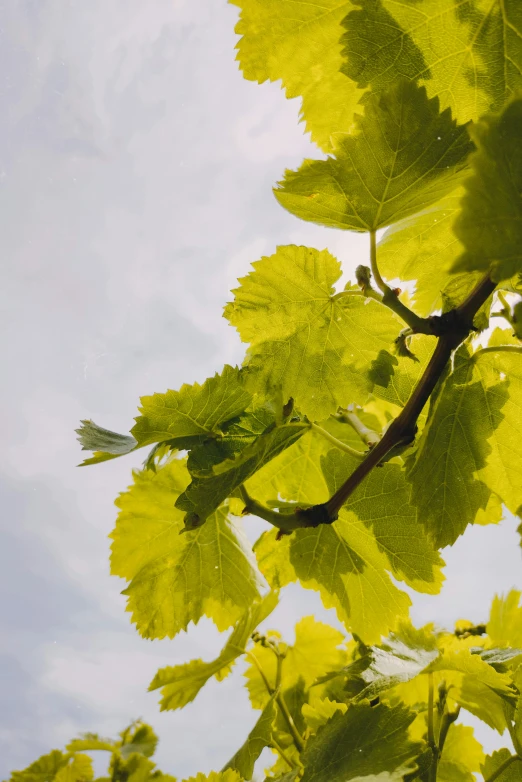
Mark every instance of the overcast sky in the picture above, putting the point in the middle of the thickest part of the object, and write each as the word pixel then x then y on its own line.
pixel 136 168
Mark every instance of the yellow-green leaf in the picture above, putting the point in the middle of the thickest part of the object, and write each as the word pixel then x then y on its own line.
pixel 490 224
pixel 259 737
pixel 467 53
pixel 403 156
pixel 175 579
pixel 316 346
pixel 181 683
pixel 299 43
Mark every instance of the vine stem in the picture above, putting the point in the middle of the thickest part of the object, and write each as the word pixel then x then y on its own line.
pixel 458 323
pixel 338 443
pixel 500 770
pixel 278 748
pixel 278 697
pixel 431 730
pixel 368 436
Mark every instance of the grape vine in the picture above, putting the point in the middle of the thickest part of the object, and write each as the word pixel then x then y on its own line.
pixel 369 426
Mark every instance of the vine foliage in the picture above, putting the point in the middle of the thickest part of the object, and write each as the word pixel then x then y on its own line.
pixel 370 424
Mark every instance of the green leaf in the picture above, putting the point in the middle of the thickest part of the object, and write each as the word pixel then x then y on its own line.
pixel 505 620
pixel 314 653
pixel 237 434
pixel 78 769
pixel 143 741
pixel 402 157
pixel 216 776
pixel 421 248
pixel 317 347
pixel 496 761
pixel 468 54
pixel 366 740
pixel 501 375
pixel 206 493
pixel 182 419
pixel 42 770
pixel 181 683
pixel 490 224
pixel 399 659
pixel 317 714
pixel 299 43
pixel 462 755
pixel 452 451
pixel 259 737
pixel 377 533
pixel 194 413
pixel 477 686
pixel 176 579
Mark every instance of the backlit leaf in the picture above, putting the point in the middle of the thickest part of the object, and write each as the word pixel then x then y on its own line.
pixel 316 347
pixel 181 683
pixel 175 579
pixel 467 53
pixel 206 493
pixel 299 43
pixel 403 157
pixel 494 762
pixel 452 451
pixel 365 544
pixel 366 740
pixel 490 224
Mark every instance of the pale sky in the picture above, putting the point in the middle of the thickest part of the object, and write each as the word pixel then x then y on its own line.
pixel 136 168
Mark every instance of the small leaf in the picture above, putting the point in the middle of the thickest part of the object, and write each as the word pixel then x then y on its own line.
pixel 105 444
pixel 181 683
pixel 216 776
pixel 317 714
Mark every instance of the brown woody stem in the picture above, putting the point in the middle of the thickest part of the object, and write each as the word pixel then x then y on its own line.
pixel 453 328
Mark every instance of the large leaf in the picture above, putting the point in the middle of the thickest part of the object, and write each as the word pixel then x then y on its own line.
pixel 206 493
pixel 467 53
pixel 299 43
pixel 176 579
pixel 259 737
pixel 365 740
pixel 490 224
pixel 316 346
pixel 452 451
pixel 181 683
pixel 403 156
pixel 376 534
